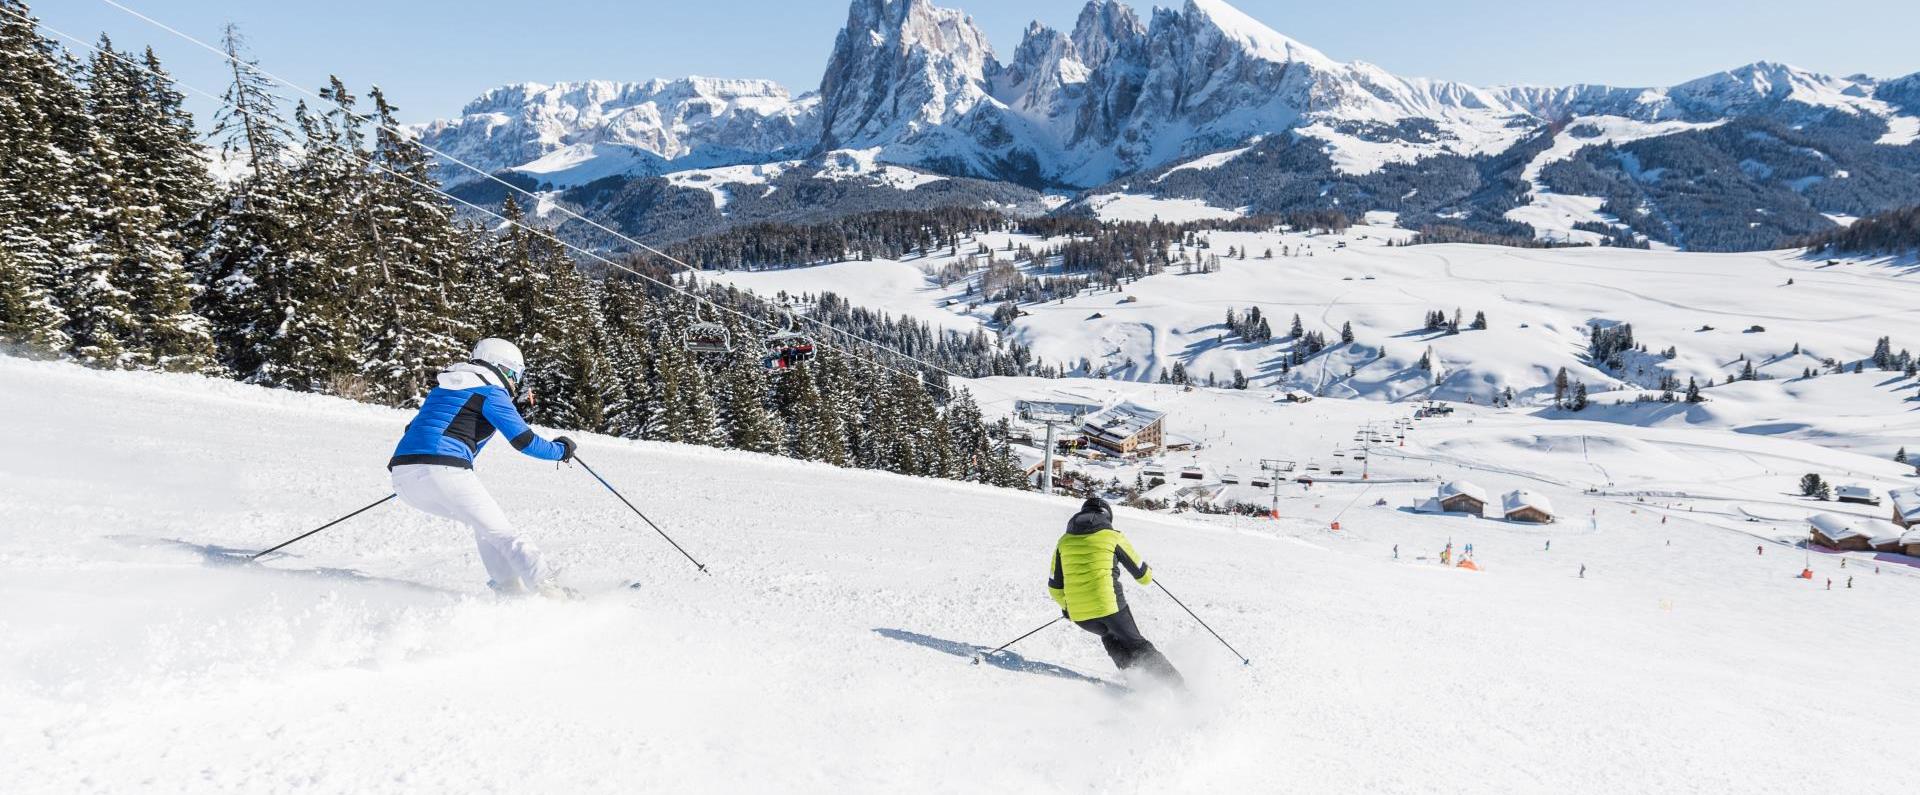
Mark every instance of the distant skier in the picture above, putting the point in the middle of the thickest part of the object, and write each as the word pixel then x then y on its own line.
pixel 1086 584
pixel 433 465
pixel 1549 545
pixel 1583 571
pixel 1396 551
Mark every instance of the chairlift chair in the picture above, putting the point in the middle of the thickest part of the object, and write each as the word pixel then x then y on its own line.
pixel 707 337
pixel 788 348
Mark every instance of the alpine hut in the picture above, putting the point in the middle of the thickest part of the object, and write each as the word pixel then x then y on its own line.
pixel 1459 496
pixel 1906 506
pixel 1526 506
pixel 1834 531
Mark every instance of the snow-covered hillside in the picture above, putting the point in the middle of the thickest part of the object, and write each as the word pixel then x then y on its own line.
pixel 1540 306
pixel 828 650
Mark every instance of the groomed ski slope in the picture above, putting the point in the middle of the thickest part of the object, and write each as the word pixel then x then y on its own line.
pixel 825 653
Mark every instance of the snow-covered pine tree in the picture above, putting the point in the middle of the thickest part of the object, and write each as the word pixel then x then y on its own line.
pixel 750 422
pixel 40 115
pixel 158 187
pixel 630 353
pixel 1346 333
pixel 686 411
pixel 99 309
pixel 410 330
pixel 550 310
pixel 814 431
pixel 1298 329
pixel 253 231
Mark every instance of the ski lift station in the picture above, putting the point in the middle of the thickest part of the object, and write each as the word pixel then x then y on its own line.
pixel 1127 430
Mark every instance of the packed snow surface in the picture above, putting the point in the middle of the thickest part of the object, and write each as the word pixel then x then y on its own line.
pixel 828 650
pixel 1141 207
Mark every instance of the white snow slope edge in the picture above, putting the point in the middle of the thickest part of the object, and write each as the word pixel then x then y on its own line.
pixel 826 651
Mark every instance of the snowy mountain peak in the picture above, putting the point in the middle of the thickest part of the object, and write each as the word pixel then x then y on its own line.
pixel 899 68
pixel 1254 36
pixel 919 85
pixel 570 133
pixel 1106 27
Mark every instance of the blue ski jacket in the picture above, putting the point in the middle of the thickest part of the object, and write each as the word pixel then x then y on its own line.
pixel 460 415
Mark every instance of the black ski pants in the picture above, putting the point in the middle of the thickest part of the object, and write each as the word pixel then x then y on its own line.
pixel 1122 639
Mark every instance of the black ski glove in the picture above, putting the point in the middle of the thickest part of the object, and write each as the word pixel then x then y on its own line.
pixel 567 448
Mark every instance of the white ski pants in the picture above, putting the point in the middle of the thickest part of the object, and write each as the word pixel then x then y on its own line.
pixel 455 493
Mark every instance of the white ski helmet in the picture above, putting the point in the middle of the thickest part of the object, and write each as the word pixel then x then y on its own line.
pixel 503 355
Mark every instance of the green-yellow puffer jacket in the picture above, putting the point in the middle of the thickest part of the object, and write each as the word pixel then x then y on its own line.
pixel 1086 577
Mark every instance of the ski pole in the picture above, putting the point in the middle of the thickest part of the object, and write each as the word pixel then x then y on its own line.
pixel 291 542
pixel 978 657
pixel 643 517
pixel 1216 635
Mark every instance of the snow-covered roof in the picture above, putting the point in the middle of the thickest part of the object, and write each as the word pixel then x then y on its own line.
pixel 1521 498
pixel 1122 421
pixel 1029 456
pixel 1835 526
pixel 1453 488
pixel 1854 490
pixel 1430 505
pixel 1910 538
pixel 1907 503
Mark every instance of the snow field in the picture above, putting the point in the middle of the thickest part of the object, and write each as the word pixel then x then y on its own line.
pixel 1539 305
pixel 827 651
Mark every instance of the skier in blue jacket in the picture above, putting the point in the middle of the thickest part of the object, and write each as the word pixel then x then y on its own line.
pixel 433 465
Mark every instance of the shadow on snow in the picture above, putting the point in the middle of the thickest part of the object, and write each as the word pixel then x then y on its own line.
pixel 229 557
pixel 1006 660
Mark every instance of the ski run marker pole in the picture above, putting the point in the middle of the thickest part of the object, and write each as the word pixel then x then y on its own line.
pixel 978 657
pixel 643 517
pixel 382 501
pixel 1216 635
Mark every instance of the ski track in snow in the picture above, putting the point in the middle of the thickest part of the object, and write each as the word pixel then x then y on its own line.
pixel 828 650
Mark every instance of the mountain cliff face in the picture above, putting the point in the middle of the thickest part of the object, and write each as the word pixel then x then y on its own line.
pixel 917 85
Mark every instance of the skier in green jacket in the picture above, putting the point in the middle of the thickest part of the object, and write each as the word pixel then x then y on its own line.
pixel 1086 584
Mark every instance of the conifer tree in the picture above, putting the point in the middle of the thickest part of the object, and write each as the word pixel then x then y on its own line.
pixel 629 352
pixel 751 424
pixel 814 431
pixel 253 232
pixel 410 329
pixel 41 118
pixel 157 188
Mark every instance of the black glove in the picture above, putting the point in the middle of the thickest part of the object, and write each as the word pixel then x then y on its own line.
pixel 1065 615
pixel 567 448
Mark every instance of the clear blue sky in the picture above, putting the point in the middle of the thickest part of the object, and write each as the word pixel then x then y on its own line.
pixel 434 55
